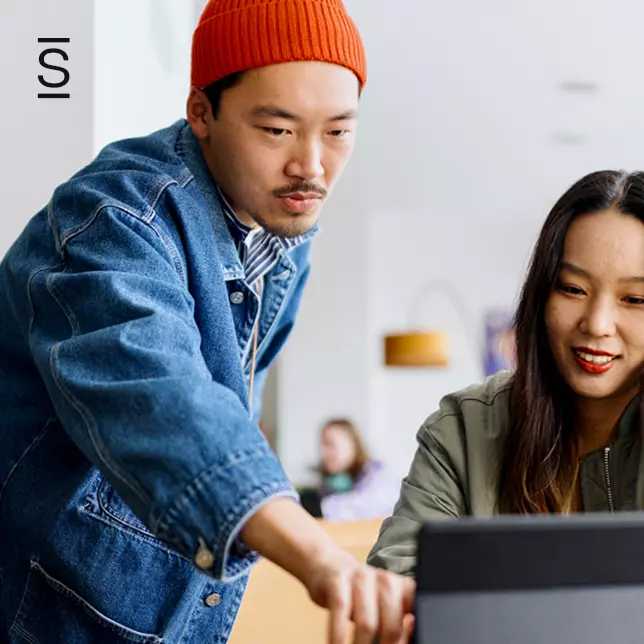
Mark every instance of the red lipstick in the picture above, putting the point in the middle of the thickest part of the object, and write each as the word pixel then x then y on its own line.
pixel 594 361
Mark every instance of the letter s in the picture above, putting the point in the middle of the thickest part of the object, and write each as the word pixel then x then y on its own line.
pixel 44 63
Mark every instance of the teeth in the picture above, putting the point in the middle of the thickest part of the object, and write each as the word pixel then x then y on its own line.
pixel 594 359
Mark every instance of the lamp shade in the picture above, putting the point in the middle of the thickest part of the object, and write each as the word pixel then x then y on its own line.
pixel 417 349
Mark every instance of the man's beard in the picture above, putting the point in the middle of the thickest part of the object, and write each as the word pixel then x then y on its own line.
pixel 295 225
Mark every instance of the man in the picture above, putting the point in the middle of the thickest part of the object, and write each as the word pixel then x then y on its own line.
pixel 141 310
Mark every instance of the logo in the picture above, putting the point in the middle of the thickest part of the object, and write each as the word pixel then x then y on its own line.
pixel 45 61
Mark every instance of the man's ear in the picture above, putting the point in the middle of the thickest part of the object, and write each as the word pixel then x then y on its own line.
pixel 198 112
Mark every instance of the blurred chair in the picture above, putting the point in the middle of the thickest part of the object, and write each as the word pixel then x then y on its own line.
pixel 277 608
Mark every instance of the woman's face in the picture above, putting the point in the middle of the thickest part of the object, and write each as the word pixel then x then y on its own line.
pixel 338 450
pixel 595 314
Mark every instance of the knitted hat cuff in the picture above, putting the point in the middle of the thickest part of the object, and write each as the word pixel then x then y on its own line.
pixel 236 35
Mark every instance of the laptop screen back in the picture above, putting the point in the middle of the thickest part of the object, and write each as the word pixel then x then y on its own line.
pixel 526 580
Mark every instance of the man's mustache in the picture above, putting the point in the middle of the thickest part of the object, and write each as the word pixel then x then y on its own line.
pixel 303 187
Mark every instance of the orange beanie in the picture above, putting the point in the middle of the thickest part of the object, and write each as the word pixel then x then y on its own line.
pixel 236 35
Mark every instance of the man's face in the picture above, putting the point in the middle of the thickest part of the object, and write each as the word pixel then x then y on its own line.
pixel 282 138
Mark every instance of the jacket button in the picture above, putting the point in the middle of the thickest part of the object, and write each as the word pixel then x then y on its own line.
pixel 213 600
pixel 204 559
pixel 237 297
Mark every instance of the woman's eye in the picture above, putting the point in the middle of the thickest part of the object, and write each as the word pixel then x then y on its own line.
pixel 631 299
pixel 571 290
pixel 339 133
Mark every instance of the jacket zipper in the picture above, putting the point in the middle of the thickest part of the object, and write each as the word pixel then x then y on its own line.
pixel 609 488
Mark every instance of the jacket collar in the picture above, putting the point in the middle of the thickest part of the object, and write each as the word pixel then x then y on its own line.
pixel 190 151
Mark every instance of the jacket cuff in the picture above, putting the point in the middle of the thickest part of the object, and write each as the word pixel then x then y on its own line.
pixel 238 557
pixel 205 521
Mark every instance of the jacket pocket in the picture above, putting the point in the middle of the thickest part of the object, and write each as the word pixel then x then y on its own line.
pixel 102 502
pixel 52 613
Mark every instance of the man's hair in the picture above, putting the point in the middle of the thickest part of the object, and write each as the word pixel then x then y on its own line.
pixel 216 89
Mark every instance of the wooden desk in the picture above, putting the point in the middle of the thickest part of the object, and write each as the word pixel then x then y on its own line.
pixel 277 608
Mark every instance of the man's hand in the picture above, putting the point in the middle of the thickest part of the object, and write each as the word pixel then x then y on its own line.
pixel 380 603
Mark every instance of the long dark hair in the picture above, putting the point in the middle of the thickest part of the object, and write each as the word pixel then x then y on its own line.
pixel 539 463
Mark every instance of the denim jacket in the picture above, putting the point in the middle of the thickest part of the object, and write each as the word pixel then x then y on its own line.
pixel 129 455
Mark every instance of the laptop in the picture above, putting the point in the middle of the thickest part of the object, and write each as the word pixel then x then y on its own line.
pixel 531 580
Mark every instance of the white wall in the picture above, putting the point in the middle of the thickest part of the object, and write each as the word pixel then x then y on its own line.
pixel 129 65
pixel 324 368
pixel 142 65
pixel 44 141
pixel 459 159
pixel 482 263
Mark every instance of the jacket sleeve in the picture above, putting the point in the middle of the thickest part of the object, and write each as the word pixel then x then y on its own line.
pixel 115 340
pixel 433 489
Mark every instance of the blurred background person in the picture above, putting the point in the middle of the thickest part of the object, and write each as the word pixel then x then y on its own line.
pixel 353 485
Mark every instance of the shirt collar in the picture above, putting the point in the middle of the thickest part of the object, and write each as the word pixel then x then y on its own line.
pixel 240 231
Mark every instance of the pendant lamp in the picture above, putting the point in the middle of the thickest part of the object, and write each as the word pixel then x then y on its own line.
pixel 421 345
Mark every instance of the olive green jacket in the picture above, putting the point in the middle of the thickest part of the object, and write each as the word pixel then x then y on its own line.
pixel 455 471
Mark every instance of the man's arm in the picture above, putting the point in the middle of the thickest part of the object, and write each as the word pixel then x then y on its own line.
pixel 116 342
pixel 115 339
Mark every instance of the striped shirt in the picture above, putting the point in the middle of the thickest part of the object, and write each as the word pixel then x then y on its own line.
pixel 258 249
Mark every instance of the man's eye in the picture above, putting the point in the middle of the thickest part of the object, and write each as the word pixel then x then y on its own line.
pixel 275 131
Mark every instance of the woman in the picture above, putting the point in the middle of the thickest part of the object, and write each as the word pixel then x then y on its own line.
pixel 562 433
pixel 354 485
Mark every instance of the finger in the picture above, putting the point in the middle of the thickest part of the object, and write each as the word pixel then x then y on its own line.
pixel 365 606
pixel 339 606
pixel 409 622
pixel 409 595
pixel 391 599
